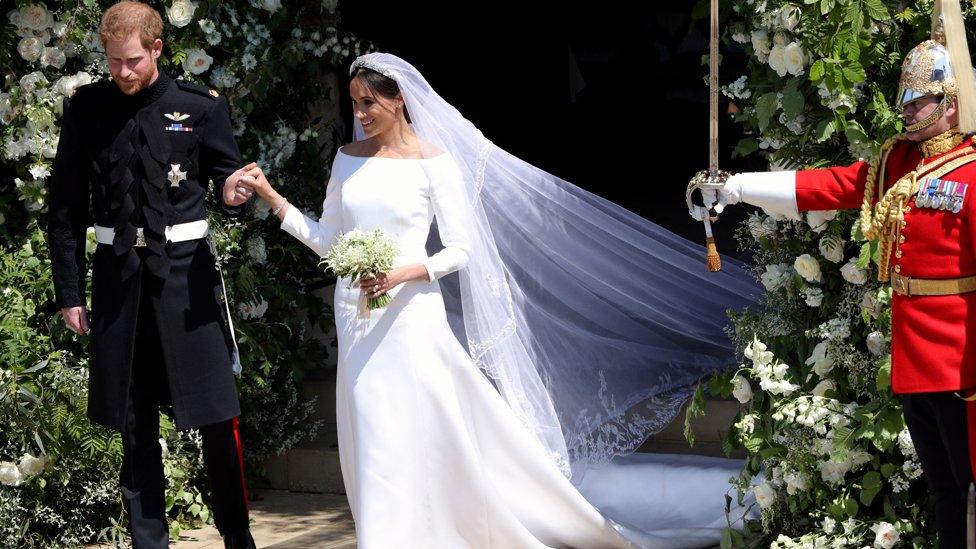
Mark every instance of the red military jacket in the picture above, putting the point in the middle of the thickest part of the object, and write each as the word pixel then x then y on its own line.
pixel 933 338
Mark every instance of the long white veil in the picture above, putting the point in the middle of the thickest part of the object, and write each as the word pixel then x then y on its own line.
pixel 592 322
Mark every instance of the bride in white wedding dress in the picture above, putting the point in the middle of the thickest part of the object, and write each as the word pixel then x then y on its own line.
pixel 505 441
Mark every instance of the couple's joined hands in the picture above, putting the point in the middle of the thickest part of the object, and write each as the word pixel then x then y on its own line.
pixel 244 182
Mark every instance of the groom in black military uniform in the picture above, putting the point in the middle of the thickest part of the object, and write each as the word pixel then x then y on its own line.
pixel 136 156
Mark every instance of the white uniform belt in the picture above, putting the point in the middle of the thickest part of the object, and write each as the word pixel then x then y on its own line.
pixel 193 230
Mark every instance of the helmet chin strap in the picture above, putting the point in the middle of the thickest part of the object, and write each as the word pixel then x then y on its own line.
pixel 932 118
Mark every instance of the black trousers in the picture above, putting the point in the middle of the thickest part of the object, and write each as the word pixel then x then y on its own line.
pixel 938 425
pixel 142 480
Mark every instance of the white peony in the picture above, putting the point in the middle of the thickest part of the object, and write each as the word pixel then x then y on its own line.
pixel 36 17
pixel 197 61
pixel 789 16
pixel 741 389
pixel 832 248
pixel 765 494
pixel 854 274
pixel 30 48
pixel 67 85
pixel 32 81
pixel 809 268
pixel 53 57
pixel 180 13
pixel 821 360
pixel 824 386
pixel 877 343
pixel 32 466
pixel 777 59
pixel 818 219
pixel 886 535
pixel 10 474
pixel 760 43
pixel 271 5
pixel 794 58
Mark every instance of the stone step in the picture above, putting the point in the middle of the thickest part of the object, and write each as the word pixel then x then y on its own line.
pixel 306 470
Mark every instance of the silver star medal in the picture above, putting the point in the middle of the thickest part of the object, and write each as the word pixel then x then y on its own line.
pixel 175 175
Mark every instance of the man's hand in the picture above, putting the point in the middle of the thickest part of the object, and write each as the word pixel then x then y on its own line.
pixel 234 193
pixel 76 318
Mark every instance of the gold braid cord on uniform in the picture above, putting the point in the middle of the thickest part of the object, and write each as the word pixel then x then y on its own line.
pixel 885 219
pixel 942 143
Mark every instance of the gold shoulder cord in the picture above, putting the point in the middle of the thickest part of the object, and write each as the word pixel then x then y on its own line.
pixel 885 219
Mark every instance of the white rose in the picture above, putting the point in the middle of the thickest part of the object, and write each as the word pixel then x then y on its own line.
pixel 31 81
pixel 789 16
pixel 180 13
pixel 821 361
pixel 741 389
pixel 30 48
pixel 32 466
pixel 854 274
pixel 886 536
pixel 10 474
pixel 197 61
pixel 777 60
pixel 809 268
pixel 877 343
pixel 832 248
pixel 794 58
pixel 760 43
pixel 53 57
pixel 765 494
pixel 271 5
pixel 817 219
pixel 823 387
pixel 36 17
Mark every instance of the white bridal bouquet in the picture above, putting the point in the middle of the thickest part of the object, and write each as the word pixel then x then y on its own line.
pixel 357 254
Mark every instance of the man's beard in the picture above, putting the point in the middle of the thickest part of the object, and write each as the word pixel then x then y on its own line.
pixel 130 87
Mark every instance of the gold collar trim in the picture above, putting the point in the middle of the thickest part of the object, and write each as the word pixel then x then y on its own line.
pixel 942 143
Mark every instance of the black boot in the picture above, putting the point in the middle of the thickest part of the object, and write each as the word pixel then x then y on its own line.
pixel 239 540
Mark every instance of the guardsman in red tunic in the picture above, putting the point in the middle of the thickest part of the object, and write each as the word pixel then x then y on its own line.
pixel 918 199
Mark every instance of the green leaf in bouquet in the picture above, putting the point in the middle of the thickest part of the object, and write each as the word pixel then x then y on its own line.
pixel 824 129
pixel 883 377
pixel 870 486
pixel 792 100
pixel 817 70
pixel 765 109
pixel 888 469
pixel 745 147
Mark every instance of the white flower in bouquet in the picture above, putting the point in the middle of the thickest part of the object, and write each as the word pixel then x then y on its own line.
pixel 886 535
pixel 91 242
pixel 30 48
pixel 821 360
pixel 207 26
pixel 832 248
pixel 253 309
pixel 53 57
pixel 357 254
pixel 756 351
pixel 271 5
pixel 869 303
pixel 760 43
pixel 818 219
pixel 796 482
pixel 10 475
pixel 756 226
pixel 780 38
pixel 31 81
pixel 828 525
pixel 67 85
pixel 832 471
pixel 789 16
pixel 777 59
pixel 740 37
pixel 765 494
pixel 40 171
pixel 164 448
pixel 877 343
pixel 32 466
pixel 180 13
pixel 197 61
pixel 813 296
pixel 824 386
pixel 837 328
pixel 741 389
pixel 776 276
pixel 808 268
pixel 794 58
pixel 746 425
pixel 257 250
pixel 36 17
pixel 854 274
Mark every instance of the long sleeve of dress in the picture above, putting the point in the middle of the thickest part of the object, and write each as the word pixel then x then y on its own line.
pixel 453 215
pixel 317 235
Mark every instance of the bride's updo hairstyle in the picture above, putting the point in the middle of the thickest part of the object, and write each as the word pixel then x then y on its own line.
pixel 381 85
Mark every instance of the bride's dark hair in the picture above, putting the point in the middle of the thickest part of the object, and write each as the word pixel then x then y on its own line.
pixel 382 85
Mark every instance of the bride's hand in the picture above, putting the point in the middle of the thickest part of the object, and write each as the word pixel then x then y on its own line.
pixel 375 286
pixel 254 179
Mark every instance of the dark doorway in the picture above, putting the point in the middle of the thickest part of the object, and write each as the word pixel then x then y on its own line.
pixel 610 96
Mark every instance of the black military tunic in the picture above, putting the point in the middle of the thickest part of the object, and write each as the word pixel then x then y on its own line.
pixel 145 161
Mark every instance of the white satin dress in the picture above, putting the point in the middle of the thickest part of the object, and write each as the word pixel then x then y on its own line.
pixel 432 457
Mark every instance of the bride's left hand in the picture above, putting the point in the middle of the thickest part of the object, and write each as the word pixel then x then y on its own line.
pixel 375 286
